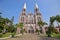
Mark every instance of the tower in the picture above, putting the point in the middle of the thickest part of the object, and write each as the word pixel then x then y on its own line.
pixel 24 9
pixel 22 17
pixel 38 16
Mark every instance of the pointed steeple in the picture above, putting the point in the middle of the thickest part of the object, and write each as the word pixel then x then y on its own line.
pixel 24 9
pixel 36 10
pixel 24 6
pixel 36 6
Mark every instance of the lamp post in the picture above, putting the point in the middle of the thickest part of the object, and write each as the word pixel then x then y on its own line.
pixel 0 15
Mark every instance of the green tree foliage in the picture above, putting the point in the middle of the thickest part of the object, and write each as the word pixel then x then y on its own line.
pixel 41 23
pixel 51 28
pixel 57 19
pixel 6 25
pixel 11 29
pixel 20 25
pixel 52 19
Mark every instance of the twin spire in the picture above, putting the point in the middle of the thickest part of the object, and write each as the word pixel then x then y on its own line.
pixel 36 6
pixel 24 5
pixel 36 9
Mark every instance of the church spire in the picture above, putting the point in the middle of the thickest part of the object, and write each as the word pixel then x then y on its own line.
pixel 24 9
pixel 36 10
pixel 36 6
pixel 24 6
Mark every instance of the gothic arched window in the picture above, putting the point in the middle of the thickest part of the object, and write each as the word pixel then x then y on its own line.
pixel 22 19
pixel 39 18
pixel 30 19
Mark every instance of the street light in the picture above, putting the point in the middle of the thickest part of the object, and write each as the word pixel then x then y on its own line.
pixel 0 15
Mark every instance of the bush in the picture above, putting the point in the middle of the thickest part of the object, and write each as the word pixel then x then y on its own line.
pixel 0 31
pixel 13 34
pixel 25 31
pixel 1 35
pixel 22 31
pixel 56 31
pixel 1 28
pixel 37 31
pixel 49 35
pixel 11 29
pixel 55 35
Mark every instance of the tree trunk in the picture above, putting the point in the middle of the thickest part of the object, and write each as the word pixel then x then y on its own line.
pixel 40 29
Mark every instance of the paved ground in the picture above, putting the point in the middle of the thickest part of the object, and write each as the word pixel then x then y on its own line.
pixel 26 37
pixel 48 38
pixel 32 37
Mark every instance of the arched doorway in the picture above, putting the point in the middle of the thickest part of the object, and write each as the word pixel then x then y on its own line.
pixel 31 30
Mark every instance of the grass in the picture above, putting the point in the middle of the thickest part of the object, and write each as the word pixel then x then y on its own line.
pixel 6 35
pixel 56 35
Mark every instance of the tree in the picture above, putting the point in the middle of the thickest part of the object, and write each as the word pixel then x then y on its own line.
pixel 4 24
pixel 11 29
pixel 20 25
pixel 51 28
pixel 57 19
pixel 41 23
pixel 52 19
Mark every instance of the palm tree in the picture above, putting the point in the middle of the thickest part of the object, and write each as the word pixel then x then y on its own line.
pixel 51 26
pixel 17 28
pixel 58 19
pixel 20 25
pixel 52 19
pixel 41 23
pixel 16 25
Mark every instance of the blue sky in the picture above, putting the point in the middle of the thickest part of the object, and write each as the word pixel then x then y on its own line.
pixel 47 8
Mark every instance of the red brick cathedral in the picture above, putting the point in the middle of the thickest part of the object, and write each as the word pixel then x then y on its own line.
pixel 30 20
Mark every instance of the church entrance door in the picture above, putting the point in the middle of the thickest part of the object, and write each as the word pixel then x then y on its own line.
pixel 31 30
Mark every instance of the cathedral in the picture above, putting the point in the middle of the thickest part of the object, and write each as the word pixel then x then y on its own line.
pixel 30 20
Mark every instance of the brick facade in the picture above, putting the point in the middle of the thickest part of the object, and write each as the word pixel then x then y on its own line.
pixel 30 20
